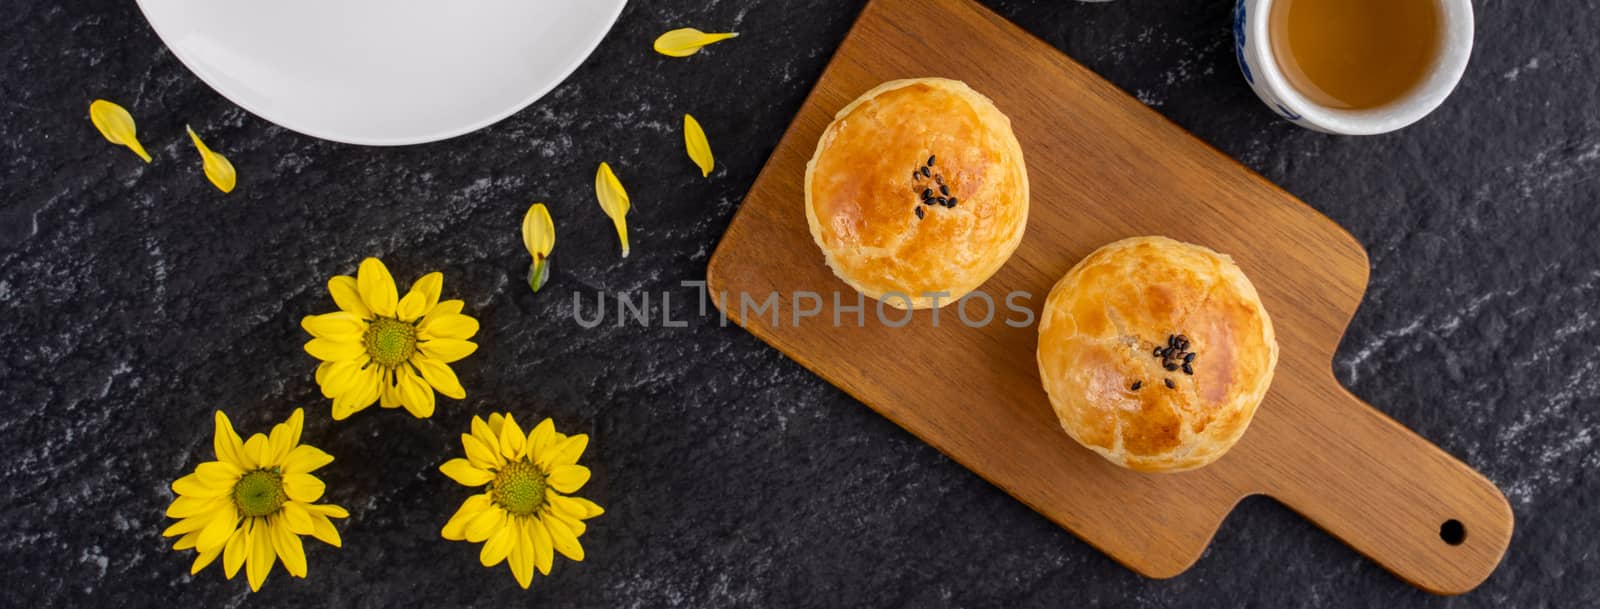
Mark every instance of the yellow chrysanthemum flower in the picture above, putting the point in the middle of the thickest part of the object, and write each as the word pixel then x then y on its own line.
pixel 383 348
pixel 254 502
pixel 524 514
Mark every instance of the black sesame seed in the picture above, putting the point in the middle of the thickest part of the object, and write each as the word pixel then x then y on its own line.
pixel 925 172
pixel 1167 352
pixel 919 213
pixel 1156 353
pixel 1188 358
pixel 927 193
pixel 929 202
pixel 953 201
pixel 949 202
pixel 930 160
pixel 1170 385
pixel 944 190
pixel 1137 385
pixel 1172 340
pixel 1170 367
pixel 1188 370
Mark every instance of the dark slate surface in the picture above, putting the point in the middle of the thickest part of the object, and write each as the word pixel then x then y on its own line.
pixel 136 299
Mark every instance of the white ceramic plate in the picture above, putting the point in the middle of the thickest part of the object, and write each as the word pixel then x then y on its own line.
pixel 382 72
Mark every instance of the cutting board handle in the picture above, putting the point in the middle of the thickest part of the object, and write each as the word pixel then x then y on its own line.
pixel 1425 516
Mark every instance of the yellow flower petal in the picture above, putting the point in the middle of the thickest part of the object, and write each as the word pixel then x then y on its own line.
pixel 539 236
pixel 324 530
pixel 563 539
pixel 218 474
pixel 187 541
pixel 521 558
pixel 330 350
pixel 216 166
pixel 226 443
pixel 256 451
pixel 687 41
pixel 341 377
pixel 464 473
pixel 187 526
pixel 328 509
pixel 445 308
pixel 694 140
pixel 423 296
pixel 440 377
pixel 565 452
pixel 591 508
pixel 489 432
pixel 216 532
pixel 205 558
pixel 543 549
pixel 237 548
pixel 479 454
pixel 447 326
pixel 447 350
pixel 415 393
pixel 377 287
pixel 499 545
pixel 495 421
pixel 342 326
pixel 614 201
pixel 568 478
pixel 541 439
pixel 347 295
pixel 285 436
pixel 362 391
pixel 191 486
pixel 303 487
pixel 288 547
pixel 388 391
pixel 538 231
pixel 564 507
pixel 304 459
pixel 117 126
pixel 485 524
pixel 261 557
pixel 456 528
pixel 321 376
pixel 297 518
pixel 576 525
pixel 511 439
pixel 187 507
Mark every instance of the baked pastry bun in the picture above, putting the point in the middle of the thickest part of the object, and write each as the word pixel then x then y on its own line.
pixel 916 188
pixel 1156 353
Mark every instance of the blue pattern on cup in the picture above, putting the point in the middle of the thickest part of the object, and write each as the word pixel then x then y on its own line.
pixel 1238 41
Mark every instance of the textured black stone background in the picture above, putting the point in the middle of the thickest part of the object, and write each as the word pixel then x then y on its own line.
pixel 136 299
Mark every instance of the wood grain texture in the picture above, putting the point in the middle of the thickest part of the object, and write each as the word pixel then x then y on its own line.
pixel 1104 167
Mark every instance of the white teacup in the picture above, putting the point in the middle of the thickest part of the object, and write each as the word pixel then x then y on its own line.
pixel 1253 48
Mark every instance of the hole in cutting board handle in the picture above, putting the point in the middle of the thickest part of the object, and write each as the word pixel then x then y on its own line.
pixel 1453 532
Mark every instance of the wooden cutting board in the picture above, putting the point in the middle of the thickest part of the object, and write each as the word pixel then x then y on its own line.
pixel 1103 167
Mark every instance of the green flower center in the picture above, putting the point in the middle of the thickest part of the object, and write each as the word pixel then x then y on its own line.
pixel 259 493
pixel 390 342
pixel 519 488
